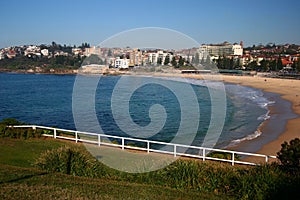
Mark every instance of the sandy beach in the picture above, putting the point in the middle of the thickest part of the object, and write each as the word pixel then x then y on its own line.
pixel 286 94
pixel 289 90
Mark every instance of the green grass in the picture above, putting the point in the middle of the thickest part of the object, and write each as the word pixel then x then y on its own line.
pixel 27 183
pixel 19 180
pixel 183 179
pixel 22 153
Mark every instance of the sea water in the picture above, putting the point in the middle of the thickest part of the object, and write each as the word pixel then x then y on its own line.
pixel 47 100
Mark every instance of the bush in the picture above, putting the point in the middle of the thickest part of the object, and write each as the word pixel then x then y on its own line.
pixel 223 155
pixel 70 160
pixel 260 182
pixel 10 121
pixel 289 155
pixel 17 133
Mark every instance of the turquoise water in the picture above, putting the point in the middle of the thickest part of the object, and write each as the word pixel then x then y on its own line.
pixel 47 100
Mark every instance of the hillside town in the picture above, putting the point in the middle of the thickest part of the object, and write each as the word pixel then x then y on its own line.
pixel 226 56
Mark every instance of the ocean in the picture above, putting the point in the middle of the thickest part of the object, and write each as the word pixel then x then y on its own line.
pixel 158 108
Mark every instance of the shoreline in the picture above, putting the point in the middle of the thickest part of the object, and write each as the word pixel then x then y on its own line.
pixel 279 114
pixel 286 112
pixel 284 121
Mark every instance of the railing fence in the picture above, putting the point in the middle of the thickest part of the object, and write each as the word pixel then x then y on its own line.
pixel 168 148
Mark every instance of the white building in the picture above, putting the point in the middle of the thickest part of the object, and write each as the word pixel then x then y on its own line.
pixel 76 51
pixel 237 49
pixel 1 56
pixel 32 50
pixel 154 57
pixel 121 63
pixel 45 52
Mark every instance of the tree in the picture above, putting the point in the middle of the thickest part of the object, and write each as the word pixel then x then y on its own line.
pixel 279 65
pixel 252 65
pixel 167 60
pixel 60 60
pixel 296 65
pixel 93 59
pixel 54 44
pixel 289 155
pixel 219 62
pixel 264 65
pixel 196 59
pixel 159 61
pixel 225 63
pixel 180 61
pixel 207 62
pixel 173 62
pixel 231 63
pixel 272 65
pixel 109 53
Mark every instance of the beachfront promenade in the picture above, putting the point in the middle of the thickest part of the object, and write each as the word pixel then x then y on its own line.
pixel 148 146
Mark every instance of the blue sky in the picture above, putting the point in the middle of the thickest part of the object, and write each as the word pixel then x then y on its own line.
pixel 73 21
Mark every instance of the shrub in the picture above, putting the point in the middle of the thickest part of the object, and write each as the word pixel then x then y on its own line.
pixel 223 155
pixel 260 182
pixel 69 160
pixel 10 121
pixel 289 155
pixel 17 133
pixel 2 130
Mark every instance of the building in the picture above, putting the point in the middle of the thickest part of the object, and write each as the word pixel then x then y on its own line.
pixel 121 63
pixel 158 57
pixel 135 57
pixel 217 50
pixel 92 50
pixel 11 54
pixel 32 50
pixel 45 52
pixel 77 51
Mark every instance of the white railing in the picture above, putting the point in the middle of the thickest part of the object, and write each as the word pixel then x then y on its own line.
pixel 103 139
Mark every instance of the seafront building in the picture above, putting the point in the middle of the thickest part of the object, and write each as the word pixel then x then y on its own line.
pixel 217 50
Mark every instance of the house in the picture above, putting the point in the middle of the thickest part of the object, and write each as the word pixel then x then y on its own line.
pixel 286 62
pixel 45 52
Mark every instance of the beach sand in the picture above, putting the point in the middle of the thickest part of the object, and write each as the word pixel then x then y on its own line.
pixel 289 90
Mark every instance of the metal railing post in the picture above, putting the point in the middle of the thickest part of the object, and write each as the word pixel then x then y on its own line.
pixel 203 157
pixel 148 147
pixel 232 159
pixel 76 136
pixel 54 132
pixel 267 159
pixel 122 143
pixel 174 150
pixel 99 140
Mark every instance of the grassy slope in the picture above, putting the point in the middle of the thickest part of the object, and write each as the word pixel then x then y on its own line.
pixel 22 153
pixel 18 180
pixel 21 183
